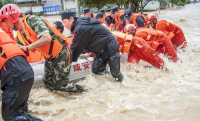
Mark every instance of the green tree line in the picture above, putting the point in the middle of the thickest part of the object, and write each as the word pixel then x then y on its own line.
pixel 135 5
pixel 4 2
pixel 180 2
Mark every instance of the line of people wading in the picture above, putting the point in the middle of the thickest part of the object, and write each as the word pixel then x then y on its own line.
pixel 102 36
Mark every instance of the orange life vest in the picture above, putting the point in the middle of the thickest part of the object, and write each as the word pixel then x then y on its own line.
pixel 35 56
pixel 118 19
pixel 150 35
pixel 135 15
pixel 6 29
pixel 168 27
pixel 9 49
pixel 48 50
pixel 124 41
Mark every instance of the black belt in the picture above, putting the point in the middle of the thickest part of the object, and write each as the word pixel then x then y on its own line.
pixel 54 36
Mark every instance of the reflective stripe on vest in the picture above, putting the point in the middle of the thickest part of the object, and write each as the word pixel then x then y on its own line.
pixel 6 43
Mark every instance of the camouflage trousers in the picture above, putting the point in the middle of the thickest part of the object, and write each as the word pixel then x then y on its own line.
pixel 57 73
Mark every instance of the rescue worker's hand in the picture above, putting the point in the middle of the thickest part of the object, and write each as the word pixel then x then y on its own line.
pixel 84 56
pixel 23 48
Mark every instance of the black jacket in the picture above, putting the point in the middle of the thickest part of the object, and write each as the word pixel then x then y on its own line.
pixel 91 35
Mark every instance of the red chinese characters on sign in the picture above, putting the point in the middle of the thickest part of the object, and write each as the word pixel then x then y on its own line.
pixel 77 67
pixel 85 65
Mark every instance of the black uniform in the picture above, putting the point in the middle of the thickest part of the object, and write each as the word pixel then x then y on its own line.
pixel 16 83
pixel 92 15
pixel 108 20
pixel 90 35
pixel 140 21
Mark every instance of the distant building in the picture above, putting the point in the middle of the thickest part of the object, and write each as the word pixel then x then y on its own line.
pixel 48 7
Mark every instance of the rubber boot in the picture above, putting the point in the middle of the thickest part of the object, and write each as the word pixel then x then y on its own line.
pixel 72 87
pixel 104 72
pixel 26 108
pixel 119 78
pixel 22 116
pixel 32 118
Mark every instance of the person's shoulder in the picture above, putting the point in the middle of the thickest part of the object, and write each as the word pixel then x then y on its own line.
pixel 33 19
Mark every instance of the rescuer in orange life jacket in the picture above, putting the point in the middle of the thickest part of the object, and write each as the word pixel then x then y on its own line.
pixel 86 13
pixel 173 31
pixel 107 16
pixel 90 35
pixel 33 56
pixel 100 16
pixel 158 41
pixel 134 18
pixel 137 47
pixel 36 33
pixel 118 21
pixel 17 78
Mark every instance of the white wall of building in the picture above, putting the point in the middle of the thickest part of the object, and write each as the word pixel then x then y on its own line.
pixel 152 5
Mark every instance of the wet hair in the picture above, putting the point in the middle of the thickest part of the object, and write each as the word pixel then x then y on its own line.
pixel 99 15
pixel 59 25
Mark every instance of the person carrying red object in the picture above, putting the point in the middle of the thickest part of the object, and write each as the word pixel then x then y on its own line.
pixel 137 48
pixel 156 39
pixel 173 31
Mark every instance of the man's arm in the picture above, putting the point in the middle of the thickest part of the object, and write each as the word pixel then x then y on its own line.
pixel 42 31
pixel 44 39
pixel 80 41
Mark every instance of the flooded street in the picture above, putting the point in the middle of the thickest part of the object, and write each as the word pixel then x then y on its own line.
pixel 146 94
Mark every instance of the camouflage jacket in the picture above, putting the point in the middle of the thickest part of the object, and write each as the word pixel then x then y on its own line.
pixel 38 25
